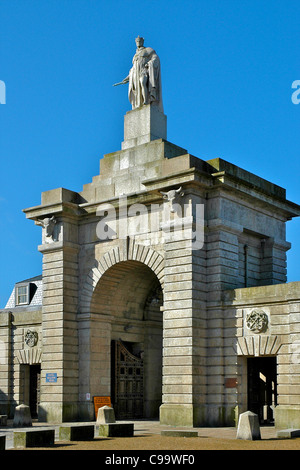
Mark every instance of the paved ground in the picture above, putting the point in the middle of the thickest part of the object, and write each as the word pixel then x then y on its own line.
pixel 147 436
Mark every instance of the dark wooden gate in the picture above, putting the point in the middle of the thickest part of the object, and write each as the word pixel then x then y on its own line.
pixel 127 386
pixel 34 389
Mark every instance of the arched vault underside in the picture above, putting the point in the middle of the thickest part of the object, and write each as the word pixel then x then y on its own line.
pixel 128 290
pixel 130 274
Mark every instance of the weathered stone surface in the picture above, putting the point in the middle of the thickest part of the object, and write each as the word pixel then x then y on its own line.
pixel 288 416
pixel 143 125
pixel 34 438
pixel 248 427
pixel 195 335
pixel 22 417
pixel 116 430
pixel 106 415
pixel 77 433
pixel 288 433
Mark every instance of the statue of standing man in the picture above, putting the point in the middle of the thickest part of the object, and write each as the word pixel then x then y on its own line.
pixel 144 77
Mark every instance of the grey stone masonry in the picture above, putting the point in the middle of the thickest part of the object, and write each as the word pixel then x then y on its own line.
pixel 6 362
pixel 280 339
pixel 59 398
pixel 142 125
pixel 176 290
pixel 288 433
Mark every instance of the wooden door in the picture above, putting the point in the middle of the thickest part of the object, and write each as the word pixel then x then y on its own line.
pixel 128 375
pixel 34 389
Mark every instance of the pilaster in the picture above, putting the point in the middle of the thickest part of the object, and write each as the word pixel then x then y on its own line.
pixel 94 349
pixel 59 395
pixel 184 333
pixel 5 362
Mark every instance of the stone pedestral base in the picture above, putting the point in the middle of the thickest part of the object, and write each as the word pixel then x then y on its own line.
pixel 287 416
pixel 142 125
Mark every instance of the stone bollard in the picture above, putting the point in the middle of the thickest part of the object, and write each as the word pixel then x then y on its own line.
pixel 3 420
pixel 22 417
pixel 106 415
pixel 2 442
pixel 248 427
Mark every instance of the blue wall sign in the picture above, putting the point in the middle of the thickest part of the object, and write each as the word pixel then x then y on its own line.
pixel 51 377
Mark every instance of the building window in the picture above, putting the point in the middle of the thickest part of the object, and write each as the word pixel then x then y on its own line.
pixel 22 295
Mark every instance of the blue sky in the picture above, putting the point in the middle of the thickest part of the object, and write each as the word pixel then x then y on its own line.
pixel 227 72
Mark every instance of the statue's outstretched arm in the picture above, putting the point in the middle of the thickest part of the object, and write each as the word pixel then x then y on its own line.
pixel 125 80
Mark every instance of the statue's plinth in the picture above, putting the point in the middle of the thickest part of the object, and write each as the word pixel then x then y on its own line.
pixel 141 125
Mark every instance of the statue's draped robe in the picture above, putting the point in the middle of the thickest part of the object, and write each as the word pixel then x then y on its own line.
pixel 151 76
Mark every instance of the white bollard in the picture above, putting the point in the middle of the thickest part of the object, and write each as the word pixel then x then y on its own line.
pixel 106 415
pixel 248 427
pixel 22 417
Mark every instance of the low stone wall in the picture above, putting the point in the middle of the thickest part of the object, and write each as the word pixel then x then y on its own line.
pixel 278 307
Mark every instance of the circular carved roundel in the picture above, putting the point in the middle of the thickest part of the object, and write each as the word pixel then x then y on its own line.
pixel 257 321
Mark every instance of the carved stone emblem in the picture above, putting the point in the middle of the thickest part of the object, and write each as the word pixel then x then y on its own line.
pixel 31 338
pixel 257 321
pixel 48 224
pixel 172 197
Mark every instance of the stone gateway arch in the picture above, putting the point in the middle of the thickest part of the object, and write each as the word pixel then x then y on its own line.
pixel 172 300
pixel 122 301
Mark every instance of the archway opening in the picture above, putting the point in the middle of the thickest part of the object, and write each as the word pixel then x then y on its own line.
pixel 130 294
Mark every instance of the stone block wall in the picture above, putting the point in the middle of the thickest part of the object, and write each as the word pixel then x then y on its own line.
pixel 281 339
pixel 95 290
pixel 15 354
